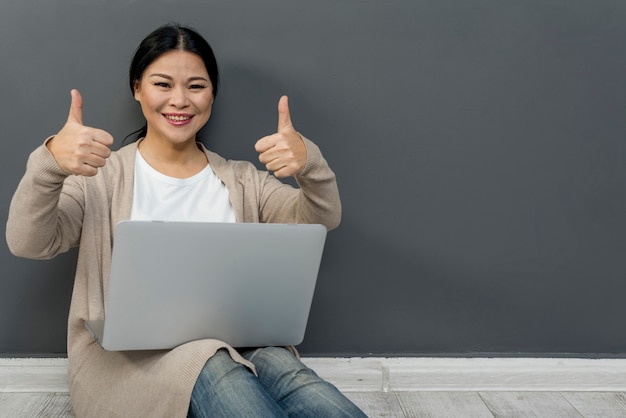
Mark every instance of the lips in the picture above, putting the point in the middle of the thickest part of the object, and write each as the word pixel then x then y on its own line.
pixel 178 119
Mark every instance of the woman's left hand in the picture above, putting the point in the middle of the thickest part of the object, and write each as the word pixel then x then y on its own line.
pixel 284 152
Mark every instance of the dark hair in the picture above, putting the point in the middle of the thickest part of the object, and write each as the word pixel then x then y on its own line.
pixel 164 39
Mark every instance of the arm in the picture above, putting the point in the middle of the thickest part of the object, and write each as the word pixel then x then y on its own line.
pixel 45 214
pixel 316 201
pixel 286 153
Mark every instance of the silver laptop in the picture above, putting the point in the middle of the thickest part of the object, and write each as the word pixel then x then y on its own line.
pixel 247 284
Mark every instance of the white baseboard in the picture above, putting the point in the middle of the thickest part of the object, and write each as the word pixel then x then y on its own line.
pixel 378 374
pixel 472 374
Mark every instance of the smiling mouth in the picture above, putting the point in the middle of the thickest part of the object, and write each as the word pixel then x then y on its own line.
pixel 178 118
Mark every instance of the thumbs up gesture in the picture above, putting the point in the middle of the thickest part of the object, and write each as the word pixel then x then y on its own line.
pixel 284 152
pixel 79 149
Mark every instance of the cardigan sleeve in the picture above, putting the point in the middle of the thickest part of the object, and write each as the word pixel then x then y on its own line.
pixel 315 201
pixel 46 211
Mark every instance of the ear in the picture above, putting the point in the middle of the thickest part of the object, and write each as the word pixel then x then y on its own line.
pixel 136 88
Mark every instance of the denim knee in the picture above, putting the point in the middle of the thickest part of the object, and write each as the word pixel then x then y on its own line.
pixel 274 359
pixel 226 388
pixel 265 355
pixel 218 366
pixel 297 388
pixel 279 368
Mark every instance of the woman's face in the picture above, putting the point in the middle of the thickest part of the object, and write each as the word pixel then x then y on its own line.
pixel 176 95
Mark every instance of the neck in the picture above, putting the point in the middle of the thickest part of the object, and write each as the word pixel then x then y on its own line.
pixel 174 160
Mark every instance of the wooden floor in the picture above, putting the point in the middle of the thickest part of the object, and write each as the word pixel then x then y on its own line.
pixel 399 404
pixel 394 387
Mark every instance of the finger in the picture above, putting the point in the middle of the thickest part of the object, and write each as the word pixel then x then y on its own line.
pixel 282 170
pixel 89 158
pixel 284 118
pixel 86 165
pixel 94 160
pixel 102 137
pixel 265 143
pixel 282 173
pixel 271 164
pixel 76 107
pixel 272 147
pixel 86 170
pixel 275 160
pixel 268 157
pixel 100 150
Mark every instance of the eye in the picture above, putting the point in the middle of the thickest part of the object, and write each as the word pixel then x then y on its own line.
pixel 162 84
pixel 197 86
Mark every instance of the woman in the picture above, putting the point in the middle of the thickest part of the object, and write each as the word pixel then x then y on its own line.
pixel 75 190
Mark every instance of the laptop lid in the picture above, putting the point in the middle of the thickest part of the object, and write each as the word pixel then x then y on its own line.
pixel 247 284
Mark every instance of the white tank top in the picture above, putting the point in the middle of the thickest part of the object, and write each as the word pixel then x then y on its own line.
pixel 202 197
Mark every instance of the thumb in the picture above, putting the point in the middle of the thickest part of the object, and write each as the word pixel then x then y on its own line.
pixel 284 118
pixel 76 108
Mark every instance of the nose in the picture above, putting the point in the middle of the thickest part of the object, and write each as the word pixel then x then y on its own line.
pixel 178 97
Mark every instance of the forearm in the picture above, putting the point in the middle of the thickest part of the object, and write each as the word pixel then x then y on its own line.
pixel 37 225
pixel 316 201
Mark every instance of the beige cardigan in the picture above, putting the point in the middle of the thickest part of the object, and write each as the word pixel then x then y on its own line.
pixel 51 212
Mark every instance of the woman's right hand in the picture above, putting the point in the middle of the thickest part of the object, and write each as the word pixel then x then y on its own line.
pixel 80 149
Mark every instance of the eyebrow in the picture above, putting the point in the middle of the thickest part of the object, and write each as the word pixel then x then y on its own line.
pixel 171 78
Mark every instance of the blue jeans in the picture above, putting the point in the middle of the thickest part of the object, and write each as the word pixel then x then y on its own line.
pixel 285 387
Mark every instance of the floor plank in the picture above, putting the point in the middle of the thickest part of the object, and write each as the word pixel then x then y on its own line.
pixel 58 406
pixel 35 405
pixel 598 404
pixel 443 405
pixel 529 404
pixel 377 404
pixel 20 404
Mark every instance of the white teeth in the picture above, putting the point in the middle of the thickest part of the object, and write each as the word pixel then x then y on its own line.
pixel 177 118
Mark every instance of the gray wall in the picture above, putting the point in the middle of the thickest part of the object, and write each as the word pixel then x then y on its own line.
pixel 479 147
